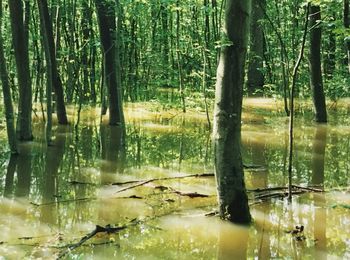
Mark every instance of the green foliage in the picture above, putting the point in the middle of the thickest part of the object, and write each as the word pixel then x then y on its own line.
pixel 337 87
pixel 168 42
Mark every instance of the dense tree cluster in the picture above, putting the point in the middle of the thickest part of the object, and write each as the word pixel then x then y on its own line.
pixel 166 45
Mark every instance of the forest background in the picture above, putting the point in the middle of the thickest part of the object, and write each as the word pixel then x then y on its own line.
pixel 61 56
pixel 164 51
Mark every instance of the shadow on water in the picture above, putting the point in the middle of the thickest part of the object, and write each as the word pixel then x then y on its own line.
pixel 53 158
pixel 232 242
pixel 320 215
pixel 10 173
pixel 19 173
pixel 112 148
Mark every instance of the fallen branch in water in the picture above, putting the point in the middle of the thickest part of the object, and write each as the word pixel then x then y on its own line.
pixel 167 178
pixel 171 191
pixel 81 183
pixel 200 175
pixel 62 201
pixel 143 182
pixel 99 229
pixel 267 189
pixel 277 195
pixel 296 191
pixel 307 188
pixel 285 188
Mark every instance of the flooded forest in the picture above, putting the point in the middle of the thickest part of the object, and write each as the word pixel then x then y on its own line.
pixel 168 129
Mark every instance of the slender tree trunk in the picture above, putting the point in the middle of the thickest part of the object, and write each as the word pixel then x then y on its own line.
pixel 6 90
pixel 292 93
pixel 229 173
pixel 20 44
pixel 346 20
pixel 316 81
pixel 69 19
pixel 178 55
pixel 48 56
pixel 108 34
pixel 26 19
pixel 86 30
pixel 284 59
pixel 329 59
pixel 165 38
pixel 56 79
pixel 256 53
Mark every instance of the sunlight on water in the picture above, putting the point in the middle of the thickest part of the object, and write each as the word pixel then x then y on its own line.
pixel 51 197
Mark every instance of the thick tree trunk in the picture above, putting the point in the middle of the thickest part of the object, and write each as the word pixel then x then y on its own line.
pixel 316 81
pixel 108 34
pixel 6 90
pixel 229 173
pixel 255 67
pixel 20 44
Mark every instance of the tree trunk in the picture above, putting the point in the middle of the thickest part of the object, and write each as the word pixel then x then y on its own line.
pixel 6 90
pixel 316 81
pixel 229 173
pixel 86 30
pixel 108 34
pixel 56 79
pixel 256 53
pixel 178 56
pixel 329 59
pixel 346 20
pixel 20 44
pixel 49 81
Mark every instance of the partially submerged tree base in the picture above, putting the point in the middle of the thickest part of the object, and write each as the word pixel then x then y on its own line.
pixel 232 197
pixel 231 212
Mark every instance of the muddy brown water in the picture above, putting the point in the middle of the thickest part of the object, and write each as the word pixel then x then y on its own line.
pixel 51 197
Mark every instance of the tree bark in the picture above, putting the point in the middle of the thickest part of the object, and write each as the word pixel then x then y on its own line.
pixel 233 201
pixel 316 80
pixel 20 44
pixel 108 35
pixel 6 90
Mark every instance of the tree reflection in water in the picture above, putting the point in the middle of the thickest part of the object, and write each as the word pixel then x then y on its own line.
pixel 317 168
pixel 154 149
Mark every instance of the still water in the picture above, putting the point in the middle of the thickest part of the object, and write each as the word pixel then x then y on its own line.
pixel 53 196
